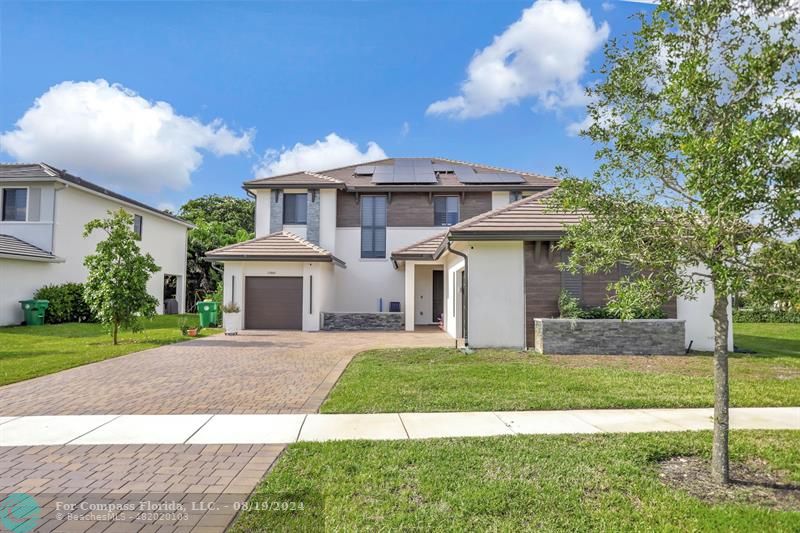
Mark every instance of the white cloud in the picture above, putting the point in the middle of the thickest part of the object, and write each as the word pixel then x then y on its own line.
pixel 575 128
pixel 110 134
pixel 331 152
pixel 607 6
pixel 542 55
pixel 405 129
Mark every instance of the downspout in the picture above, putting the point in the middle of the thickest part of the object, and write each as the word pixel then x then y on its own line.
pixel 465 299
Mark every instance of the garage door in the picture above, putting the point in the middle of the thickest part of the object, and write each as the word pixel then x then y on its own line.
pixel 273 303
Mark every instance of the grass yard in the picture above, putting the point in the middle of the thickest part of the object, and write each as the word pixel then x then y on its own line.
pixel 439 379
pixel 30 351
pixel 520 483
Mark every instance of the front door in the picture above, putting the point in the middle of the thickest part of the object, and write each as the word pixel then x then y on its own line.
pixel 438 295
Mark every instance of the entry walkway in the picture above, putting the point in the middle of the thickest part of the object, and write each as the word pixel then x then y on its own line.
pixel 288 428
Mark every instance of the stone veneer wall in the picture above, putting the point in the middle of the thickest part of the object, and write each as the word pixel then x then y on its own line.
pixel 607 337
pixel 363 321
pixel 312 217
pixel 275 211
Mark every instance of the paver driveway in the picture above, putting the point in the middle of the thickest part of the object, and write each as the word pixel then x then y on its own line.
pixel 254 372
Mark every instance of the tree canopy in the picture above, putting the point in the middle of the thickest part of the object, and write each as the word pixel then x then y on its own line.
pixel 697 120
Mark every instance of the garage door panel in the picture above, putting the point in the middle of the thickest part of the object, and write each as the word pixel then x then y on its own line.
pixel 273 302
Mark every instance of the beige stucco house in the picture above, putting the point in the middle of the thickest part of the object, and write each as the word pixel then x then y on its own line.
pixel 42 215
pixel 400 243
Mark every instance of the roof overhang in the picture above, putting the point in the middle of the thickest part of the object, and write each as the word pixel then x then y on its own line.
pixel 444 189
pixel 278 258
pixel 505 235
pixel 38 259
pixel 286 185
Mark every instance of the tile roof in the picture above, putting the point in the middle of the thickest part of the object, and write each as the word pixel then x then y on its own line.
pixel 43 171
pixel 345 177
pixel 528 216
pixel 278 246
pixel 426 249
pixel 14 248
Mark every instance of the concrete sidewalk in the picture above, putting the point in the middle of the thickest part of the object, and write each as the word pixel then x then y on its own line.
pixel 288 428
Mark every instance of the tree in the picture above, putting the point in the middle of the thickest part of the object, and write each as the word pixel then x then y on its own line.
pixel 697 122
pixel 116 286
pixel 219 221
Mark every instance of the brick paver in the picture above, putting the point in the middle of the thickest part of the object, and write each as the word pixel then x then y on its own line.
pixel 254 372
pixel 152 487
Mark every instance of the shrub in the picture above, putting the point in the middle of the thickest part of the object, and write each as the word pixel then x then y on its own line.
pixel 766 315
pixel 570 307
pixel 66 303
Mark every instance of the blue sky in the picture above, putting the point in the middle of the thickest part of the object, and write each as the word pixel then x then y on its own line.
pixel 240 84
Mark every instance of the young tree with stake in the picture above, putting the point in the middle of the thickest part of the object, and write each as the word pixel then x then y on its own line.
pixel 116 286
pixel 698 122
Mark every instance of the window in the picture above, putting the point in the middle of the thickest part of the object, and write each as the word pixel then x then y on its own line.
pixel 295 208
pixel 137 225
pixel 513 196
pixel 445 210
pixel 373 226
pixel 15 205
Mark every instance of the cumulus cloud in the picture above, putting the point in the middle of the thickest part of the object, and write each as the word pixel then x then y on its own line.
pixel 331 152
pixel 543 55
pixel 110 134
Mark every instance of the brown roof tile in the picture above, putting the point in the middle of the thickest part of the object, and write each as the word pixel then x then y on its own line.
pixel 424 250
pixel 300 179
pixel 279 246
pixel 529 216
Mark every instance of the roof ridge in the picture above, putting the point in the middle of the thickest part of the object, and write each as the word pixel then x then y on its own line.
pixel 322 176
pixel 437 236
pixel 492 167
pixel 308 243
pixel 507 207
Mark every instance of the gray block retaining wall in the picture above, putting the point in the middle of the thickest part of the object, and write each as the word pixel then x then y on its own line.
pixel 607 337
pixel 363 321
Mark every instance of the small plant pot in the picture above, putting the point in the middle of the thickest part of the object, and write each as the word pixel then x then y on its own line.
pixel 192 332
pixel 230 322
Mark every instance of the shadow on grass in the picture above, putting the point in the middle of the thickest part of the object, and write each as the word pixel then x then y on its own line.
pixel 768 346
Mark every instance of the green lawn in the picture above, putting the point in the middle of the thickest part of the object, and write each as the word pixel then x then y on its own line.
pixel 521 483
pixel 438 379
pixel 30 351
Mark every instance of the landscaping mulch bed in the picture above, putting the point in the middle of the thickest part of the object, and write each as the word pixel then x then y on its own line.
pixel 752 482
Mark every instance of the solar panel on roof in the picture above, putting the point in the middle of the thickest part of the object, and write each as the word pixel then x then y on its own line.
pixel 405 171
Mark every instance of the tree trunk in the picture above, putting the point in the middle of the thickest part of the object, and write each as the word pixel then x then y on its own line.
pixel 116 328
pixel 719 453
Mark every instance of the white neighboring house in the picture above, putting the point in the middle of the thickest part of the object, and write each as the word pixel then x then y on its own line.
pixel 404 242
pixel 42 216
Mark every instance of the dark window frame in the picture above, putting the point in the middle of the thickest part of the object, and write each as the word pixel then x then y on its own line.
pixel 292 217
pixel 138 222
pixel 373 226
pixel 5 217
pixel 446 218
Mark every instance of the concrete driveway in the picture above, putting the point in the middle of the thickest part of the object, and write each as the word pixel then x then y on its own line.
pixel 254 372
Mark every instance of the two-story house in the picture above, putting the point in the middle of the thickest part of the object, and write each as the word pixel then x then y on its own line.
pixel 42 216
pixel 403 242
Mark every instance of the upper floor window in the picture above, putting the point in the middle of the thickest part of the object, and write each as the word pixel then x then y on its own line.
pixel 445 210
pixel 295 208
pixel 15 204
pixel 137 225
pixel 373 226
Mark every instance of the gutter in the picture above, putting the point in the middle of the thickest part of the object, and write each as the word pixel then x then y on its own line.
pixel 465 299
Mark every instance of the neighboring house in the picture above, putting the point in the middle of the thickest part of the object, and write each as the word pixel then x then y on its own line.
pixel 465 245
pixel 42 216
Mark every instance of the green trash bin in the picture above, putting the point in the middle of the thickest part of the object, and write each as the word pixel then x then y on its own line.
pixel 209 312
pixel 34 311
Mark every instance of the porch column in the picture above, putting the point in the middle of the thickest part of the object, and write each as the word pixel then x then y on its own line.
pixel 409 303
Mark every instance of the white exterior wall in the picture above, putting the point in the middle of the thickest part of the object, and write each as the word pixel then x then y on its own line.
pixel 164 239
pixel 262 211
pixel 699 323
pixel 496 294
pixel 452 310
pixel 39 232
pixel 18 281
pixel 360 286
pixel 237 271
pixel 500 199
pixel 423 294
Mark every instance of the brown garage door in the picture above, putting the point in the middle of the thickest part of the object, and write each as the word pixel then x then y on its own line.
pixel 273 303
